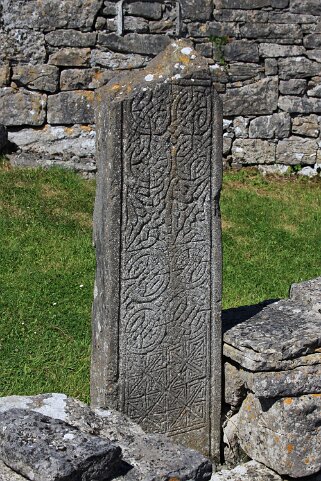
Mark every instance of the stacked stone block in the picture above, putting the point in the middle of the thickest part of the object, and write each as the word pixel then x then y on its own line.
pixel 266 55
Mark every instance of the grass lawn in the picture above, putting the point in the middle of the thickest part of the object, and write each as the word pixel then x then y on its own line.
pixel 271 233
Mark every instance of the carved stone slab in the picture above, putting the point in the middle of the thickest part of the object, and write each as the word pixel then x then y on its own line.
pixel 156 326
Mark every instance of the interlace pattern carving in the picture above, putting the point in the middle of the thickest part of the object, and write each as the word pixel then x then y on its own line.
pixel 166 258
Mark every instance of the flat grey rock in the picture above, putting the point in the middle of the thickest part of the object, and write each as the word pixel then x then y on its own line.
pixel 251 471
pixel 308 292
pixel 283 434
pixel 281 336
pixel 45 449
pixel 146 457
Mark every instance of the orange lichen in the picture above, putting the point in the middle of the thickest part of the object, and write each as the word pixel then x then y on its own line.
pixel 69 130
pixel 316 395
pixel 290 448
pixel 86 128
pixel 307 461
pixel 288 400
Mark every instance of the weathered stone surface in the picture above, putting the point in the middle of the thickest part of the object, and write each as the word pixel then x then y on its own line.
pixel 36 77
pixel 71 38
pixel 296 150
pixel 22 46
pixel 71 57
pixel 271 31
pixel 74 107
pixel 235 390
pixel 232 15
pixel 297 67
pixel 79 79
pixel 241 51
pixel 293 382
pixel 283 17
pixel 3 137
pixel 227 144
pixel 46 449
pixel 161 309
pixel 270 126
pixel 308 292
pixel 118 61
pixel 275 50
pixel 270 66
pixel 21 107
pixel 301 105
pixel 314 87
pixel 60 142
pixel 149 10
pixel 308 172
pixel 314 54
pixel 241 127
pixel 258 98
pixel 4 75
pixel 243 71
pixel 134 43
pixel 283 434
pixel 196 9
pixel 251 471
pixel 150 457
pixel 293 87
pixel 307 126
pixel 251 152
pixel 310 7
pixel 276 169
pixel 312 41
pixel 6 474
pixel 50 14
pixel 251 4
pixel 281 336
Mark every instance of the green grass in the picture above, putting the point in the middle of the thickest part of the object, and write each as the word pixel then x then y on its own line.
pixel 272 237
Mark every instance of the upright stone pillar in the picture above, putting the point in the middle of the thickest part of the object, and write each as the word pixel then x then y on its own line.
pixel 156 323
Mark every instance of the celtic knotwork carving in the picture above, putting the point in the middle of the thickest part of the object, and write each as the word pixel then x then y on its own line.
pixel 166 256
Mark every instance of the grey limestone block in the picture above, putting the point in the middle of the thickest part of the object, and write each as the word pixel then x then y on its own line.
pixel 301 105
pixel 84 79
pixel 242 71
pixel 297 150
pixel 50 14
pixel 308 292
pixel 144 44
pixel 257 98
pixel 36 77
pixel 22 107
pixel 156 322
pixel 284 434
pixel 297 67
pixel 71 57
pixel 7 474
pixel 146 457
pixel 271 31
pixel 231 15
pixel 118 61
pixel 253 151
pixel 283 335
pixel 270 66
pixel 308 126
pixel 275 50
pixel 22 46
pixel 46 449
pixel 314 54
pixel 71 38
pixel 148 10
pixel 4 75
pixel 196 9
pixel 312 41
pixel 241 51
pixel 293 87
pixel 250 471
pixel 250 4
pixel 310 7
pixel 72 107
pixel 270 126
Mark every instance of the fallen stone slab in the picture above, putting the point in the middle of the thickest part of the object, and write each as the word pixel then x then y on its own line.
pixel 251 471
pixel 283 335
pixel 45 449
pixel 147 457
pixel 283 434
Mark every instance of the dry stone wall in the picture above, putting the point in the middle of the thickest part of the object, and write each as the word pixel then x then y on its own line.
pixel 266 55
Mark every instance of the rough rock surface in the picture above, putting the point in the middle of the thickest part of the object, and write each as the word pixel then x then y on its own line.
pixel 279 335
pixel 283 434
pixel 308 292
pixel 146 457
pixel 45 449
pixel 21 107
pixel 251 471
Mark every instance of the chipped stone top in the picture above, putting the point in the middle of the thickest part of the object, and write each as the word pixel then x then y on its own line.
pixel 274 338
pixel 179 60
pixel 308 292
